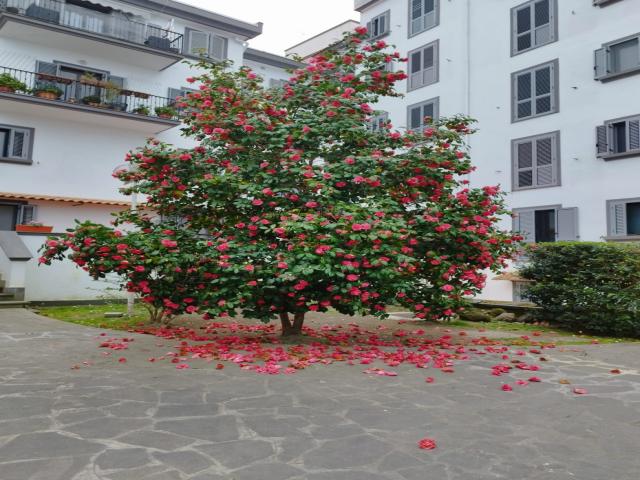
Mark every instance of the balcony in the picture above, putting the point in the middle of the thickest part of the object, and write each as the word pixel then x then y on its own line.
pixel 86 99
pixel 104 31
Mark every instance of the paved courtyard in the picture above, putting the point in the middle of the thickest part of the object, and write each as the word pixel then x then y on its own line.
pixel 141 420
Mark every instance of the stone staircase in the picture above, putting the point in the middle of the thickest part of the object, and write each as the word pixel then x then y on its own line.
pixel 8 299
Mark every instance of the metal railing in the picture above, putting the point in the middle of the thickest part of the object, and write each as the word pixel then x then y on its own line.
pixel 90 92
pixel 114 24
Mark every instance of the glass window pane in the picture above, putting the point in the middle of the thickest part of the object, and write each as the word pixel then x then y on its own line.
pixel 427 110
pixel 543 81
pixel 416 9
pixel 416 62
pixel 428 57
pixel 524 109
pixel 525 155
pixel 524 41
pixel 524 86
pixel 633 218
pixel 429 6
pixel 523 20
pixel 543 104
pixel 542 13
pixel 625 55
pixel 619 137
pixel 416 119
pixel 525 178
pixel 4 142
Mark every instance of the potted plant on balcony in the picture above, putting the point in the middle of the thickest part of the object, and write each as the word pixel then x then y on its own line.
pixel 113 94
pixel 166 112
pixel 92 100
pixel 10 84
pixel 88 78
pixel 33 227
pixel 142 110
pixel 48 91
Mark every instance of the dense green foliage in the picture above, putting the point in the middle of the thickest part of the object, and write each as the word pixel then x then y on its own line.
pixel 585 286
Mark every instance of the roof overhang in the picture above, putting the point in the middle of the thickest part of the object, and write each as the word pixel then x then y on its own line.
pixel 199 15
pixel 61 199
pixel 272 59
pixel 360 5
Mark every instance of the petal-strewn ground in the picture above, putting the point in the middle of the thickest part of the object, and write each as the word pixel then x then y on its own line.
pixel 70 410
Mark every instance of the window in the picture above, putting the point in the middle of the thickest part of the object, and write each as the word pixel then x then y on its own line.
pixel 535 161
pixel 423 15
pixel 417 113
pixel 277 83
pixel 534 91
pixel 618 138
pixel 205 44
pixel 623 217
pixel 423 66
pixel 16 144
pixel 546 224
pixel 616 58
pixel 380 25
pixel 520 294
pixel 533 24
pixel 377 122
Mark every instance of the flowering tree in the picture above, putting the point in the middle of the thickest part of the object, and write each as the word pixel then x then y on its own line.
pixel 291 204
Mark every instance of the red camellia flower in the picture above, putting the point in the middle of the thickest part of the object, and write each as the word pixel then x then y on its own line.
pixel 168 243
pixel 427 444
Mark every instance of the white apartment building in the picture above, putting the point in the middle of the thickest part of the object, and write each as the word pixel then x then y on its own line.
pixel 100 76
pixel 555 88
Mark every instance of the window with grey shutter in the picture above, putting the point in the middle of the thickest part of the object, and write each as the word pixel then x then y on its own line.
pixel 533 24
pixel 379 25
pixel 218 47
pixel 623 217
pixel 618 138
pixel 26 214
pixel 546 224
pixel 377 122
pixel 15 144
pixel 617 58
pixel 524 223
pixel 203 44
pixel 418 112
pixel 423 15
pixel 534 91
pixel 536 161
pixel 423 66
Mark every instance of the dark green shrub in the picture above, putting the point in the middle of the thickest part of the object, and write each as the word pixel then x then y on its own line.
pixel 585 286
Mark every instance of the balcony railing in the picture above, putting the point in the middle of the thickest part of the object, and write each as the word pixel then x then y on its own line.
pixel 114 24
pixel 90 92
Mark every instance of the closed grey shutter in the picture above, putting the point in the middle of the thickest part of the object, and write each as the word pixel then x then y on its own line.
pixel 430 65
pixel 545 153
pixel 196 43
pixel 415 117
pixel 386 23
pixel 415 69
pixel 26 214
pixel 174 93
pixel 523 164
pixel 218 49
pixel 430 14
pixel 523 92
pixel 525 224
pixel 370 31
pixel 600 67
pixel 567 224
pixel 617 218
pixel 602 144
pixel 634 134
pixel 19 143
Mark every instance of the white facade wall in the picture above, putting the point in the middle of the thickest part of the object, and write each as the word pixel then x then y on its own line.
pixel 75 152
pixel 319 42
pixel 475 67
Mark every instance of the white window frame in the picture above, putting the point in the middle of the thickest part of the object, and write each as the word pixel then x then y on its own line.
pixel 27 152
pixel 553 26
pixel 374 23
pixel 602 60
pixel 375 122
pixel 554 166
pixel 436 112
pixel 554 97
pixel 615 223
pixel 605 139
pixel 435 14
pixel 436 66
pixel 210 39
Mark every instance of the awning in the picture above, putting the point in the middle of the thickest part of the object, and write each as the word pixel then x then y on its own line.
pixel 58 198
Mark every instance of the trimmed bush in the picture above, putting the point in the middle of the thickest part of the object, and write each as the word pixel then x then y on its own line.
pixel 587 286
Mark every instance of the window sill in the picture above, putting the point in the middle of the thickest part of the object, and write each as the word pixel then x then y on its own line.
pixel 382 35
pixel 515 53
pixel 617 75
pixel 525 189
pixel 623 238
pixel 413 34
pixel 617 156
pixel 516 120
pixel 16 161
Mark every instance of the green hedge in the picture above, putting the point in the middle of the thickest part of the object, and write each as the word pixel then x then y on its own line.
pixel 587 286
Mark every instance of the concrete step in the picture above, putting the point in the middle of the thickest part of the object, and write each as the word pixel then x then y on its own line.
pixel 6 296
pixel 13 304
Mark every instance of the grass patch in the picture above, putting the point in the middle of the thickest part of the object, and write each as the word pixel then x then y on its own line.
pixel 93 315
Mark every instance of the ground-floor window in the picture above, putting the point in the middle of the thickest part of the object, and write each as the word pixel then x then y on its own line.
pixel 623 217
pixel 546 224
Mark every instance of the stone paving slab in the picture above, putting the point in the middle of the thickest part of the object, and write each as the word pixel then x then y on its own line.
pixel 148 421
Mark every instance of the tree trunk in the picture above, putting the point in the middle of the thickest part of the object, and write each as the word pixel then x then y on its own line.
pixel 289 327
